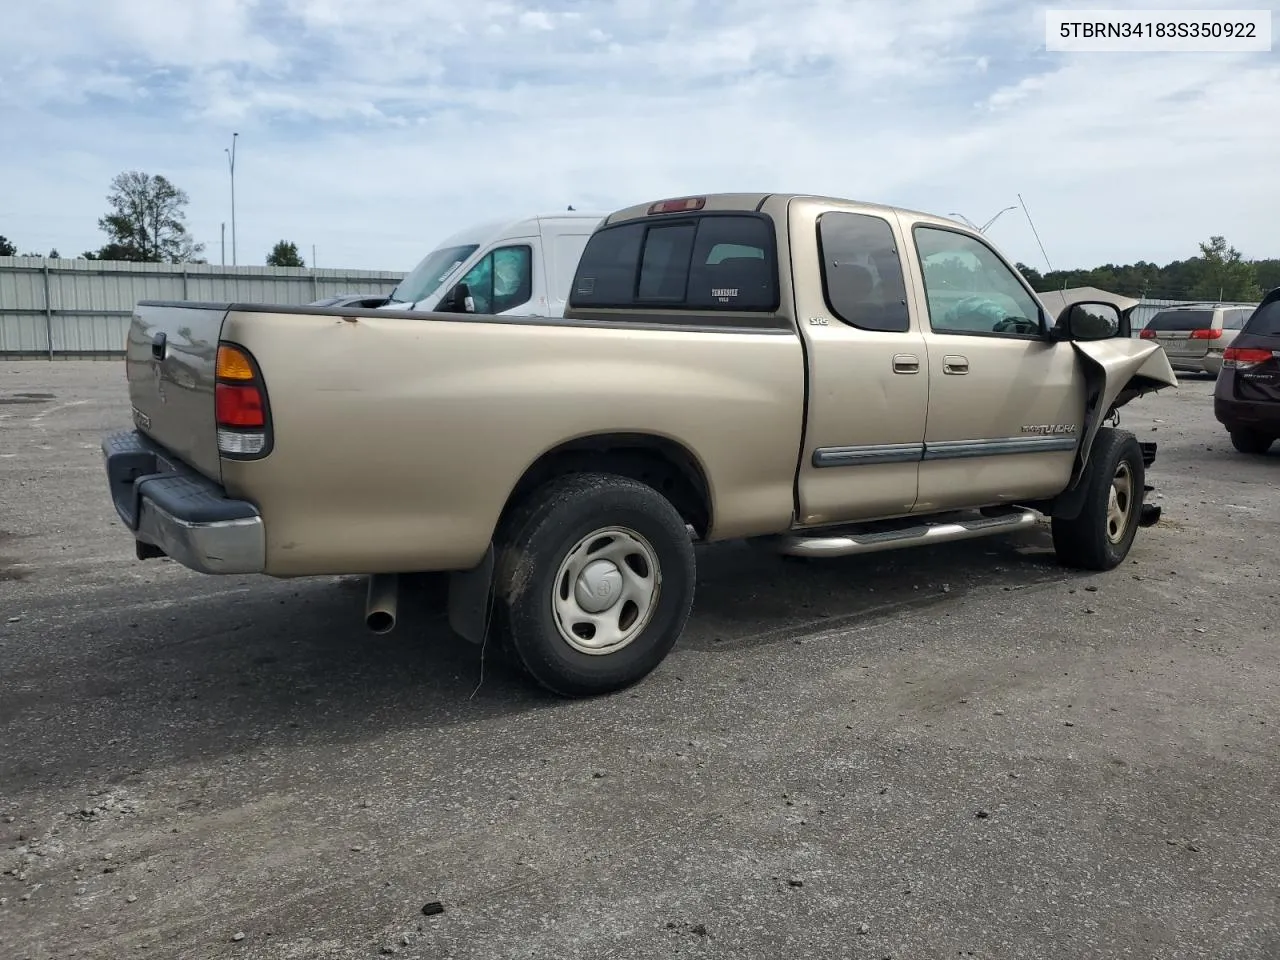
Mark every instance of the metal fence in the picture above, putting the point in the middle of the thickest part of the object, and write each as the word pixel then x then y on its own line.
pixel 68 309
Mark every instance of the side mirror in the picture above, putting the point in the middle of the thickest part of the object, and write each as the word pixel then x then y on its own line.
pixel 458 300
pixel 1088 320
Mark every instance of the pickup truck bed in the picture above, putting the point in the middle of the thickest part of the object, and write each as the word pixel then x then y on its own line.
pixel 410 429
pixel 817 375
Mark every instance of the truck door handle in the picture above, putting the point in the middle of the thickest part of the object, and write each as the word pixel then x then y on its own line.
pixel 955 365
pixel 906 363
pixel 157 345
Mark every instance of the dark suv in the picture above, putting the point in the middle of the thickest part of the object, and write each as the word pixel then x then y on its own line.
pixel 1246 399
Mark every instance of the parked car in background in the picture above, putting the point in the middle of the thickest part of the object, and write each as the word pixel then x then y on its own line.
pixel 1246 399
pixel 361 301
pixel 1194 336
pixel 508 267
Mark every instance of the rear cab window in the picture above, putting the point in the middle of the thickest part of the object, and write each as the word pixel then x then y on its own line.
pixel 708 262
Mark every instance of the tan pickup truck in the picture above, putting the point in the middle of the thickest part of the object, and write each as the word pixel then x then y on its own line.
pixel 819 376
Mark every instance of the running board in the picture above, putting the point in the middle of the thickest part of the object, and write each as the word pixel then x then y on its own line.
pixel 842 545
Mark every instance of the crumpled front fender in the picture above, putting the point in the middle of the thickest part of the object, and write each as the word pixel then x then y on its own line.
pixel 1116 371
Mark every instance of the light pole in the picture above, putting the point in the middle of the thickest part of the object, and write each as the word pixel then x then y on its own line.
pixel 231 159
pixel 983 228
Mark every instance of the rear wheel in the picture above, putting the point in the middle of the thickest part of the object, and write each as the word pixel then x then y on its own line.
pixel 1099 537
pixel 1251 441
pixel 595 583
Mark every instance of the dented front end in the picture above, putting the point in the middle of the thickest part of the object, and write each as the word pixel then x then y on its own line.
pixel 1117 371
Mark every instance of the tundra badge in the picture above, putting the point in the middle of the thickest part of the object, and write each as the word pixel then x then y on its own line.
pixel 1049 428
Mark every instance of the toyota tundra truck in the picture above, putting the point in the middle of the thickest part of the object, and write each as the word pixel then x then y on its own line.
pixel 817 376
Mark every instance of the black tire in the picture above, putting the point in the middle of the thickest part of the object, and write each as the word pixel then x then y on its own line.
pixel 1250 441
pixel 1088 541
pixel 542 532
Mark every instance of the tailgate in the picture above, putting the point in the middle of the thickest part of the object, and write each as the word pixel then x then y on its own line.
pixel 171 361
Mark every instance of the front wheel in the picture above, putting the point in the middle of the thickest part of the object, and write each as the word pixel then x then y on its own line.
pixel 1250 441
pixel 1100 536
pixel 595 583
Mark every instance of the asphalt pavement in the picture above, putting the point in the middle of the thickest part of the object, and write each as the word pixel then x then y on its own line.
pixel 956 751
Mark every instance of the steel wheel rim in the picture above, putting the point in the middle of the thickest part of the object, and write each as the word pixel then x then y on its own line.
pixel 606 590
pixel 1119 503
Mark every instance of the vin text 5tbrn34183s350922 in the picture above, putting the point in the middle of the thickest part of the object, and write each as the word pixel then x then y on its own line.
pixel 819 376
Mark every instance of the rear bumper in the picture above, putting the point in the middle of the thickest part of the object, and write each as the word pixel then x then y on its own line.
pixel 1236 414
pixel 173 511
pixel 1211 363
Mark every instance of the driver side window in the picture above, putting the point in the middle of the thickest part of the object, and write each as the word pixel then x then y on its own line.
pixel 970 290
pixel 502 281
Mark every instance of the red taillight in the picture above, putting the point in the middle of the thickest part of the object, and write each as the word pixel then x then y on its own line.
pixel 1205 334
pixel 238 406
pixel 1244 356
pixel 683 205
pixel 1148 334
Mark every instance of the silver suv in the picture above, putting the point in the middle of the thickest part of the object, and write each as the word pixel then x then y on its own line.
pixel 1194 336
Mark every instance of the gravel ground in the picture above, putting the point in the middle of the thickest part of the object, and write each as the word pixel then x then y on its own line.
pixel 964 751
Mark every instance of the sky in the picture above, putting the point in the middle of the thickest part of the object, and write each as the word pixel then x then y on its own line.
pixel 372 129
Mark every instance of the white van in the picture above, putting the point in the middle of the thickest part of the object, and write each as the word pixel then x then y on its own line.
pixel 522 267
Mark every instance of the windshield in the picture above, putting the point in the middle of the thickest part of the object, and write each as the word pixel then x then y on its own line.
pixel 430 273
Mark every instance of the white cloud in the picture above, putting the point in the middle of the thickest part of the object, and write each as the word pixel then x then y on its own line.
pixel 374 130
pixel 535 20
pixel 160 32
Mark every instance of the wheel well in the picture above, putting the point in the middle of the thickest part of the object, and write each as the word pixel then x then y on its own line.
pixel 662 464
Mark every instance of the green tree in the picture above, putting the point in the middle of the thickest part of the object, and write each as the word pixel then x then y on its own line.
pixel 147 222
pixel 1225 275
pixel 1196 278
pixel 110 251
pixel 285 254
pixel 1268 273
pixel 7 249
pixel 1031 275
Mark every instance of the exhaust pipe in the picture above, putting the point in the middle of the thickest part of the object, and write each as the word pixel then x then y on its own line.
pixel 380 607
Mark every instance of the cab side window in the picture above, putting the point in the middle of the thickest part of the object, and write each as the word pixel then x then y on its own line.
pixel 970 290
pixel 503 280
pixel 861 273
